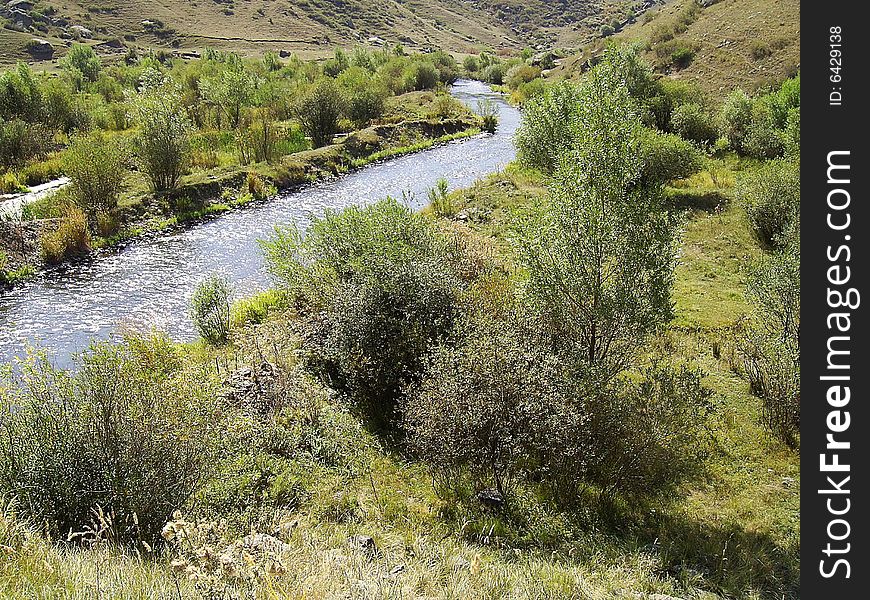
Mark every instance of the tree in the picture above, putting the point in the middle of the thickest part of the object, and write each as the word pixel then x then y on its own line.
pixel 96 170
pixel 600 254
pixel 545 131
pixel 163 143
pixel 319 111
pixel 230 89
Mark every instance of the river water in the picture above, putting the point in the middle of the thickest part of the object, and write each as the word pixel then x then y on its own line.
pixel 150 282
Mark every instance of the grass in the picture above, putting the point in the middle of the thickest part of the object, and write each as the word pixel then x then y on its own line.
pixel 411 148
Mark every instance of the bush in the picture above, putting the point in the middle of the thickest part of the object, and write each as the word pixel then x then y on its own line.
pixel 693 123
pixel 127 433
pixel 500 405
pixel 496 405
pixel 95 166
pixel 20 141
pixel 319 111
pixel 210 310
pixel 471 64
pixel 365 105
pixel 666 157
pixel 736 118
pixel 494 73
pixel 762 141
pixel 70 239
pixel 682 57
pixel 82 61
pixel 420 75
pixel 520 74
pixel 163 144
pixel 378 290
pixel 771 197
pixel 20 94
pixel 258 141
pixel 771 344
pixel 440 200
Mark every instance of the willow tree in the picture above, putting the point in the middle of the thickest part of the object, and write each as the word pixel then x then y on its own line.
pixel 600 252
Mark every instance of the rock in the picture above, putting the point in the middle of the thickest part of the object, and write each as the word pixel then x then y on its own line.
pixel 20 18
pixel 398 569
pixel 262 542
pixel 22 5
pixel 284 53
pixel 81 31
pixel 490 498
pixel 39 48
pixel 256 389
pixel 788 482
pixel 363 543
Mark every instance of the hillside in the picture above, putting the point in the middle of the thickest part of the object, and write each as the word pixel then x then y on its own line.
pixel 719 45
pixel 308 27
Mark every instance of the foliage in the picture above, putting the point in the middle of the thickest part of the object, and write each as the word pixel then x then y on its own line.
pixel 771 196
pixel 665 157
pixel 440 200
pixel 319 111
pixel 365 105
pixel 692 122
pixel 71 237
pixel 488 111
pixel 81 61
pixel 95 166
pixel 378 288
pixel 600 254
pixel 124 435
pixel 771 344
pixel 231 89
pixel 546 129
pixel 163 144
pixel 210 310
pixel 736 118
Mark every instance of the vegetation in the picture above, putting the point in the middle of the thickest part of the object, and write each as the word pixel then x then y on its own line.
pixel 552 384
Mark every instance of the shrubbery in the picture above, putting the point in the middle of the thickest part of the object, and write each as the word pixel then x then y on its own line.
pixel 163 144
pixel 319 111
pixel 128 433
pixel 379 291
pixel 96 170
pixel 71 237
pixel 692 122
pixel 210 310
pixel 771 196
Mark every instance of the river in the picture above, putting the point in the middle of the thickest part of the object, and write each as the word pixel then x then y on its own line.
pixel 150 281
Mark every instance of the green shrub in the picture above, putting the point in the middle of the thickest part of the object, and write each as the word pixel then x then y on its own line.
pixel 494 73
pixel 258 141
pixel 70 239
pixel 378 288
pixel 365 105
pixel 666 157
pixel 420 75
pixel 95 166
pixel 441 201
pixel 20 94
pixel 771 345
pixel 128 433
pixel 736 118
pixel 771 197
pixel 163 144
pixel 520 74
pixel 319 111
pixel 682 57
pixel 546 131
pixel 693 123
pixel 210 310
pixel 82 61
pixel 470 64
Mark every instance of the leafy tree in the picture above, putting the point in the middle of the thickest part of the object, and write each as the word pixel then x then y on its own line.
pixel 319 111
pixel 600 255
pixel 545 131
pixel 736 118
pixel 20 94
pixel 231 89
pixel 163 143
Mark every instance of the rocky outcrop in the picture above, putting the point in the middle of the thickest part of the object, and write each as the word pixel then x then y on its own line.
pixel 40 49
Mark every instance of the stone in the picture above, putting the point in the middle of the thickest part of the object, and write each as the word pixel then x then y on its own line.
pixel 22 5
pixel 363 543
pixel 39 48
pixel 397 570
pixel 491 498
pixel 81 31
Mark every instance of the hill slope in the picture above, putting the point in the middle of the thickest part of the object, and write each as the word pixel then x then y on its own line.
pixel 307 26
